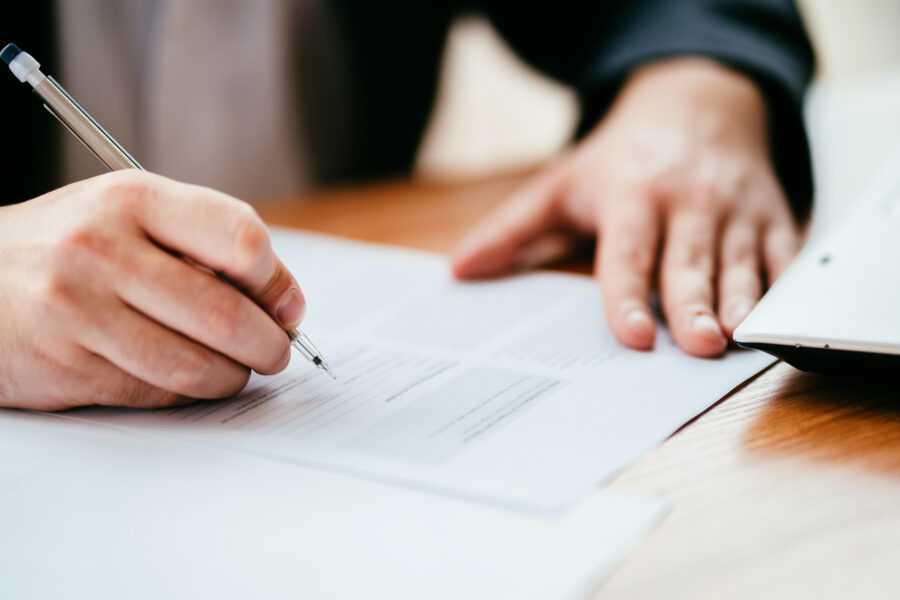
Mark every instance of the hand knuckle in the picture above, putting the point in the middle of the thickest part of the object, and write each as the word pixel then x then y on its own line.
pixel 251 238
pixel 86 241
pixel 277 285
pixel 127 187
pixel 223 314
pixel 739 253
pixel 695 257
pixel 54 295
pixel 704 197
pixel 190 373
pixel 630 250
pixel 649 186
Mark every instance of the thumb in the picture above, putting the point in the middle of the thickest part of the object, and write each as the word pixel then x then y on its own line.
pixel 496 245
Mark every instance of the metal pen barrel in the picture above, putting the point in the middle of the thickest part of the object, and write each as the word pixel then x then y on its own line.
pixel 84 127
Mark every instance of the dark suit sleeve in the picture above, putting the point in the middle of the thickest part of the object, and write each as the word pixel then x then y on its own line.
pixel 595 45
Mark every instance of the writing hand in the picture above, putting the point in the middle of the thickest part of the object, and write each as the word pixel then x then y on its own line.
pixel 96 307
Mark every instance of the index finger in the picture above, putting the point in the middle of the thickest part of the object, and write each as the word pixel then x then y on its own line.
pixel 496 245
pixel 219 232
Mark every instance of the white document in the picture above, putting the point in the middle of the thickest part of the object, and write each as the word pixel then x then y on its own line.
pixel 511 391
pixel 92 512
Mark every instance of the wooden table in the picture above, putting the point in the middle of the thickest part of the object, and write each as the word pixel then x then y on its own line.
pixel 789 487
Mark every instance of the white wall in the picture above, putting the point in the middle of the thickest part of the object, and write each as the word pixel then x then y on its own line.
pixel 494 112
pixel 854 38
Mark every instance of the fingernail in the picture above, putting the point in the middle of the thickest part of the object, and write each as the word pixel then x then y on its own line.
pixel 639 321
pixel 704 323
pixel 291 308
pixel 739 312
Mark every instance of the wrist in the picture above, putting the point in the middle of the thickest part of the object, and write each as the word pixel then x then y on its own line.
pixel 709 99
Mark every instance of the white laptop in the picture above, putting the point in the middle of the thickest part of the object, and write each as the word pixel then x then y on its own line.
pixel 837 307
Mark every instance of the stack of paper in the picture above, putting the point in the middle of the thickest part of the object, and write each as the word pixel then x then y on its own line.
pixel 91 512
pixel 512 391
pixel 455 456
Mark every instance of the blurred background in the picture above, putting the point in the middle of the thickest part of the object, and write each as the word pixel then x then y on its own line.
pixel 495 113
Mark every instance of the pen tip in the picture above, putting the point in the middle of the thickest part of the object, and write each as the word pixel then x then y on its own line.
pixel 322 365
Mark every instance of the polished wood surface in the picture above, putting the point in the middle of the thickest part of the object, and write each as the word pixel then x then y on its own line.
pixel 429 216
pixel 787 488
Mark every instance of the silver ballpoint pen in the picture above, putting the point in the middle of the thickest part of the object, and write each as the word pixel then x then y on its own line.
pixel 61 105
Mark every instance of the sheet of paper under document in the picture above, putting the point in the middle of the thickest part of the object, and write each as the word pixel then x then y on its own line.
pixel 510 391
pixel 95 512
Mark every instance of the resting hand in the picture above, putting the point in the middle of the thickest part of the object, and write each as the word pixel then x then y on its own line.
pixel 678 186
pixel 95 308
